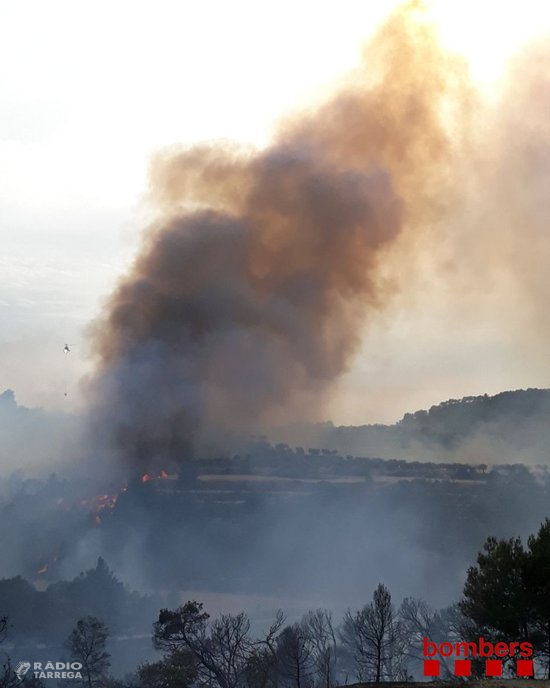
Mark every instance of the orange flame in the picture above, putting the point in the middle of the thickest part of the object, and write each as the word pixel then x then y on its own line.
pixel 146 477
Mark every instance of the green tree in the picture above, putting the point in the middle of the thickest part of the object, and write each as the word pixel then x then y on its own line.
pixel 537 582
pixel 495 598
pixel 507 594
pixel 175 670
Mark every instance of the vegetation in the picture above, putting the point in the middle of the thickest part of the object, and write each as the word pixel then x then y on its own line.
pixel 505 599
pixel 514 423
pixel 507 594
pixel 8 677
pixel 44 615
pixel 257 507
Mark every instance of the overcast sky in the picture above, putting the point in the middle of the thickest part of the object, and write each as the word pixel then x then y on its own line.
pixel 89 90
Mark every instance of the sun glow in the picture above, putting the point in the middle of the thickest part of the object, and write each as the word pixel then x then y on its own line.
pixel 94 89
pixel 489 33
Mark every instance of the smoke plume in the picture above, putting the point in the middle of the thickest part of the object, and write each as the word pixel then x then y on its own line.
pixel 251 289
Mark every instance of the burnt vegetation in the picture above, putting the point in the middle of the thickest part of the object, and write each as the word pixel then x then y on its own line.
pixel 505 596
pixel 288 522
pixel 216 516
pixel 238 532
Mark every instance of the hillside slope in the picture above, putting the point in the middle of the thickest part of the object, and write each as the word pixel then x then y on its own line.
pixel 510 427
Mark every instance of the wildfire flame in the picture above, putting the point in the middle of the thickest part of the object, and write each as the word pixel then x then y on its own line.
pixel 146 477
pixel 97 507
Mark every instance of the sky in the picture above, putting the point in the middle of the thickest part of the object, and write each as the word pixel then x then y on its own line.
pixel 90 91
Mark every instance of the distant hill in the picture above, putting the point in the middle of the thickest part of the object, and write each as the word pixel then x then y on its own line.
pixel 32 438
pixel 510 427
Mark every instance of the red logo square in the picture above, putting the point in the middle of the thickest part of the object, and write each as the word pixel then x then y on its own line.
pixel 463 667
pixel 524 667
pixel 431 667
pixel 493 667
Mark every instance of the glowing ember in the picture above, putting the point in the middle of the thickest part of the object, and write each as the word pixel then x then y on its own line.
pixel 105 502
pixel 146 477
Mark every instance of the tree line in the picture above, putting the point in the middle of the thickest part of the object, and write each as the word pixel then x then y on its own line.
pixel 43 616
pixel 506 598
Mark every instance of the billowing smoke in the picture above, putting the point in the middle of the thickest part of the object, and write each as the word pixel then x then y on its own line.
pixel 251 289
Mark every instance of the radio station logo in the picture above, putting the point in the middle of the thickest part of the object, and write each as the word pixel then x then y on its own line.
pixel 63 670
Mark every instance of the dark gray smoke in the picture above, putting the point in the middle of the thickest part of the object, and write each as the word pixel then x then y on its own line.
pixel 250 291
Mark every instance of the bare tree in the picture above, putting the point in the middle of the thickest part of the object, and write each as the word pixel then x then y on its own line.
pixel 221 649
pixel 420 621
pixel 262 663
pixel 373 637
pixel 274 631
pixel 8 678
pixel 87 643
pixel 318 625
pixel 229 648
pixel 295 667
